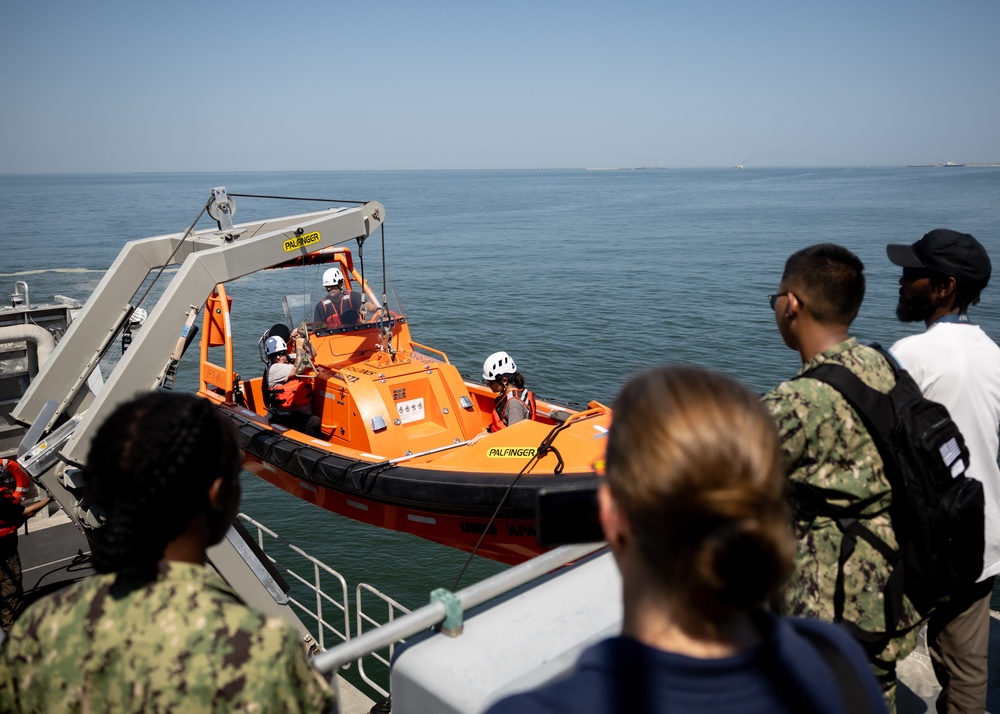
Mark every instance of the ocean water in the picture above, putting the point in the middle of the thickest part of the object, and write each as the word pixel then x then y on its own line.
pixel 583 276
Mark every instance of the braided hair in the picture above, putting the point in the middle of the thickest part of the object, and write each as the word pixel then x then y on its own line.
pixel 150 467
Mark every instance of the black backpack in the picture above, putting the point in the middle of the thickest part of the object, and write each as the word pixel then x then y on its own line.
pixel 937 508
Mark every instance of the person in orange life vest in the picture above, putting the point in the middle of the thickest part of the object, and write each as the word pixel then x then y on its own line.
pixel 13 483
pixel 289 398
pixel 525 395
pixel 340 307
pixel 514 403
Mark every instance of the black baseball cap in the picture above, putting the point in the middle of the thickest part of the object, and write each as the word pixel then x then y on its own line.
pixel 951 253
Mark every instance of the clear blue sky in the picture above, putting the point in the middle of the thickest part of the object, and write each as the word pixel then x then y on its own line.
pixel 232 86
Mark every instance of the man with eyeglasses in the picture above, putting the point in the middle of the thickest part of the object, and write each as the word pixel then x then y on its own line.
pixel 831 459
pixel 957 364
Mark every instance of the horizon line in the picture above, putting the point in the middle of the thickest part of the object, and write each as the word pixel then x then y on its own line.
pixel 742 167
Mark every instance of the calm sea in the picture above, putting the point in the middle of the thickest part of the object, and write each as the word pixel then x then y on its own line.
pixel 583 276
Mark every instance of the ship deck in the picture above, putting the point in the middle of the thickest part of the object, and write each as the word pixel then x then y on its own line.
pixel 54 553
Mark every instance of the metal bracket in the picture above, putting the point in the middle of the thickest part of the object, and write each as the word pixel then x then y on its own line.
pixel 34 433
pixel 256 566
pixel 165 379
pixel 222 208
pixel 43 455
pixel 452 625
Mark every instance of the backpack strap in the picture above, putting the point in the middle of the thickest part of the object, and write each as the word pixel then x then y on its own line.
pixel 874 408
pixel 892 598
pixel 879 417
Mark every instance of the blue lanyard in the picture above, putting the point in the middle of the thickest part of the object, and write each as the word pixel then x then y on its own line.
pixel 961 318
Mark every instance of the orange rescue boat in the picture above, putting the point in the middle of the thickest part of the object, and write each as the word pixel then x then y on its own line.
pixel 399 446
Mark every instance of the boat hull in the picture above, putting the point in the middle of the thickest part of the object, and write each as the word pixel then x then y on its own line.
pixel 454 508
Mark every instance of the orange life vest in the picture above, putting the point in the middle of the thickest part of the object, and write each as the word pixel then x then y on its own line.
pixel 335 309
pixel 528 397
pixel 293 393
pixel 14 485
pixel 500 407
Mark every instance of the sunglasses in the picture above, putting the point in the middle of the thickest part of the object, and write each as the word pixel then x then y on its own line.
pixel 911 274
pixel 773 299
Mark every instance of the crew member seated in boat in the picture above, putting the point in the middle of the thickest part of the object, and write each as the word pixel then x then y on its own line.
pixel 340 307
pixel 525 395
pixel 289 398
pixel 514 403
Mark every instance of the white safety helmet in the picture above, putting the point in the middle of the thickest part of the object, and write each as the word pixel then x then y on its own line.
pixel 497 364
pixel 332 277
pixel 274 346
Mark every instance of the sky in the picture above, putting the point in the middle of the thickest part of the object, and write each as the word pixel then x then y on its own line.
pixel 108 86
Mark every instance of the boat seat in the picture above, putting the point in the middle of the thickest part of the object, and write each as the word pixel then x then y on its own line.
pixel 559 416
pixel 278 329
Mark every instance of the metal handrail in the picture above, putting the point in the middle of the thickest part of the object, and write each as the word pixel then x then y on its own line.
pixel 431 349
pixel 316 586
pixel 362 617
pixel 434 613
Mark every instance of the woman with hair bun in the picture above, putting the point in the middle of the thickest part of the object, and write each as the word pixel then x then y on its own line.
pixel 693 509
pixel 157 629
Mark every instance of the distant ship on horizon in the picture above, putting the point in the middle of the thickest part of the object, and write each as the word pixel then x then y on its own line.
pixel 945 165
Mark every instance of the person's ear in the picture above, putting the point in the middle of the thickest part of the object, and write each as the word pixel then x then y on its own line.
pixel 614 522
pixel 792 305
pixel 945 292
pixel 217 494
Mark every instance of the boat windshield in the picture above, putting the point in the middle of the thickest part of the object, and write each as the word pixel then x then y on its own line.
pixel 353 312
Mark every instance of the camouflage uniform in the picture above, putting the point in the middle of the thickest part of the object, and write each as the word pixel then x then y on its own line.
pixel 826 446
pixel 11 593
pixel 184 642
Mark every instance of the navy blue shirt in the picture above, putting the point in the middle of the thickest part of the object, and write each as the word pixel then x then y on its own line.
pixel 786 673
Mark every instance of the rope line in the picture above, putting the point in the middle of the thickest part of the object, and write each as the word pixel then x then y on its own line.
pixel 542 449
pixel 187 234
pixel 296 198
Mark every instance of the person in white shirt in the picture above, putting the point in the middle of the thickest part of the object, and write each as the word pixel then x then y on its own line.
pixel 958 365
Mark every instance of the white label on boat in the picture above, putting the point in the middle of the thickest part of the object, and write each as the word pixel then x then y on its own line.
pixel 602 429
pixel 355 504
pixel 410 410
pixel 420 519
pixel 268 467
pixel 372 456
pixel 307 486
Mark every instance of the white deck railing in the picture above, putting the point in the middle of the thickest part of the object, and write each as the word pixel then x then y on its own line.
pixel 386 634
pixel 435 613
